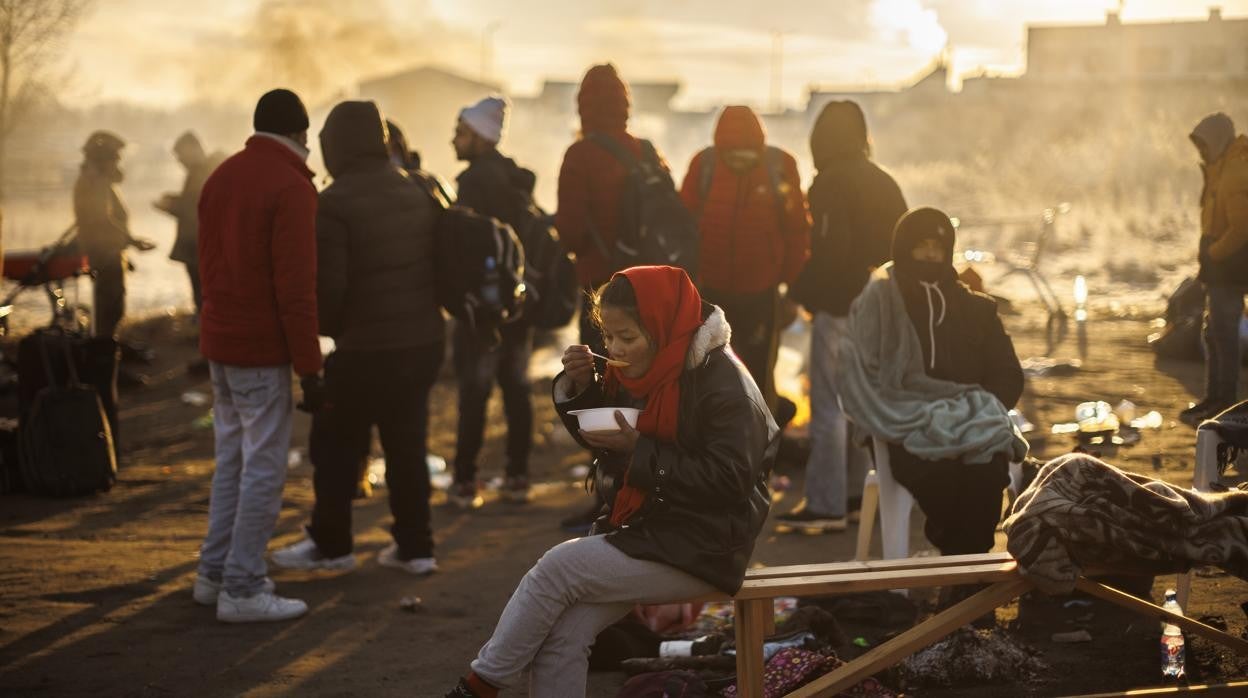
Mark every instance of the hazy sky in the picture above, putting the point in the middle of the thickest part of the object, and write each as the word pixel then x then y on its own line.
pixel 166 52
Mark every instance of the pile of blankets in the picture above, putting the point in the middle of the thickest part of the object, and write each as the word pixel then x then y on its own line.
pixel 1082 512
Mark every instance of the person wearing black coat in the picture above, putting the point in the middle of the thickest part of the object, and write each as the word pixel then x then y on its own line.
pixel 687 487
pixel 492 185
pixel 854 205
pixel 963 341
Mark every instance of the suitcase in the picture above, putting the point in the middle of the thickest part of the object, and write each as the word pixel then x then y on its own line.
pixel 65 443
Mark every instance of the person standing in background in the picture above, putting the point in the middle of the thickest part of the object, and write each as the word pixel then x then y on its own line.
pixel 184 206
pixel 855 205
pixel 257 266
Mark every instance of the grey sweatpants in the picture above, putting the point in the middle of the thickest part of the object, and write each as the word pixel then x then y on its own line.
pixel 252 424
pixel 575 590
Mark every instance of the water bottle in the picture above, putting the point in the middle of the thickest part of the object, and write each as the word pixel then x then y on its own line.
pixel 489 286
pixel 1173 653
pixel 704 646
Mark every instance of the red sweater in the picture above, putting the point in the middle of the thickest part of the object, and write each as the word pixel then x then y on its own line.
pixel 257 260
pixel 591 184
pixel 745 249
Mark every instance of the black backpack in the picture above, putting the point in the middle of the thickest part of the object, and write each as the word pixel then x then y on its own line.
pixel 553 291
pixel 478 270
pixel 65 442
pixel 655 227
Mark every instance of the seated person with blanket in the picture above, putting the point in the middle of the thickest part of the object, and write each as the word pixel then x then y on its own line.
pixel 928 368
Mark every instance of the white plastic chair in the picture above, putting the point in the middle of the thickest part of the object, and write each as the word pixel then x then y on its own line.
pixel 882 491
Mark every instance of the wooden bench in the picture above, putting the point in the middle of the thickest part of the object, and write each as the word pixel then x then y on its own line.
pixel 754 619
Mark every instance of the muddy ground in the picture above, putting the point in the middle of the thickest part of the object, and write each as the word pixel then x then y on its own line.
pixel 95 592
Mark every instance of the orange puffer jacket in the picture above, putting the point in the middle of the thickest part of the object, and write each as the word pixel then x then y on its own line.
pixel 755 231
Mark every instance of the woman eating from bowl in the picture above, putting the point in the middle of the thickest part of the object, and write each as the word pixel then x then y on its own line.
pixel 686 486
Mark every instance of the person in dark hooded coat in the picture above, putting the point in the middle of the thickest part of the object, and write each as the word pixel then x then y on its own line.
pixel 855 205
pixel 375 241
pixel 492 185
pixel 963 341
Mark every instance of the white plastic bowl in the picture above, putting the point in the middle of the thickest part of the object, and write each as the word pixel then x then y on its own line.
pixel 603 418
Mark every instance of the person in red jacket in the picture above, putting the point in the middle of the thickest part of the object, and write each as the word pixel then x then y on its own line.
pixel 755 229
pixel 591 185
pixel 257 267
pixel 591 189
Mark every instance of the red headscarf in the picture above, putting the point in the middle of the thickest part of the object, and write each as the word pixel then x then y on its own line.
pixel 671 311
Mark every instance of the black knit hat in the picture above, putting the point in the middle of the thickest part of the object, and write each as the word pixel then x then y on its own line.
pixel 280 111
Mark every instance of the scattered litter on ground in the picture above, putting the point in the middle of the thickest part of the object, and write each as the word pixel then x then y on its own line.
pixel 1072 636
pixel 436 463
pixel 1038 366
pixel 294 458
pixel 411 604
pixel 1024 426
pixel 1078 603
pixel 1152 420
pixel 861 642
pixel 204 421
pixel 970 657
pixel 579 472
pixel 195 398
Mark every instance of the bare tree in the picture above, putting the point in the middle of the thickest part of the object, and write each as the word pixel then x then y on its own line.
pixel 31 32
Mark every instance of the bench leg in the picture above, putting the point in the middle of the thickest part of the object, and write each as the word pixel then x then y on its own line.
pixel 752 617
pixel 913 640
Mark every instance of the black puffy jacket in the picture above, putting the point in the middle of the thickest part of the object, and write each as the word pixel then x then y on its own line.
pixel 374 237
pixel 708 492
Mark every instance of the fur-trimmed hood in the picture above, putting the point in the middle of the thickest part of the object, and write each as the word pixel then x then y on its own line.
pixel 714 333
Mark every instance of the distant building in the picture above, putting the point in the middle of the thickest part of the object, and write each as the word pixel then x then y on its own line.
pixel 1212 49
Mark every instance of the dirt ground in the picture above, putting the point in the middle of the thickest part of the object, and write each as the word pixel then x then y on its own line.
pixel 95 592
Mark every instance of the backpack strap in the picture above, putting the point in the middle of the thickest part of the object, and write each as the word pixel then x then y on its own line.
pixel 618 151
pixel 706 161
pixel 771 158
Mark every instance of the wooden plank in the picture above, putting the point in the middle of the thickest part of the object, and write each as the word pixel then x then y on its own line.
pixel 914 639
pixel 1149 609
pixel 1208 690
pixel 750 623
pixel 854 566
pixel 834 584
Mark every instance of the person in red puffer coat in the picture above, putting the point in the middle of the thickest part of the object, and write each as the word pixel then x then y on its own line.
pixel 257 267
pixel 755 228
pixel 591 184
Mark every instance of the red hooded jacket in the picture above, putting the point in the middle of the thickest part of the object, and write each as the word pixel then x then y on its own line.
pixel 591 180
pixel 257 260
pixel 753 237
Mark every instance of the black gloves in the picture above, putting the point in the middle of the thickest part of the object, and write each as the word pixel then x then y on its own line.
pixel 315 394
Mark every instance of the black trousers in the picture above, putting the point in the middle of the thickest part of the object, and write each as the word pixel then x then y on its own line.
pixel 755 336
pixel 389 389
pixel 109 292
pixel 192 273
pixel 962 501
pixel 477 368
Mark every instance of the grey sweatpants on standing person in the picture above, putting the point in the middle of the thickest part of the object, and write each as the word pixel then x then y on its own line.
pixel 836 468
pixel 575 591
pixel 252 420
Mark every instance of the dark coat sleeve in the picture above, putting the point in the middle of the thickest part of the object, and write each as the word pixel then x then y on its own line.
pixel 1003 375
pixel 588 399
pixel 727 462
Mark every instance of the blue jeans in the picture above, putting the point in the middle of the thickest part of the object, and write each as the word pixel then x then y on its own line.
pixel 1224 307
pixel 252 423
pixel 836 467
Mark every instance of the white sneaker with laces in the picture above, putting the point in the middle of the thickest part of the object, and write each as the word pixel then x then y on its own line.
pixel 205 591
pixel 262 608
pixel 419 566
pixel 304 555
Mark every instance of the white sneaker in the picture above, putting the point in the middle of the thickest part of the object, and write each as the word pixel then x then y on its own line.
pixel 263 607
pixel 419 566
pixel 205 590
pixel 304 555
